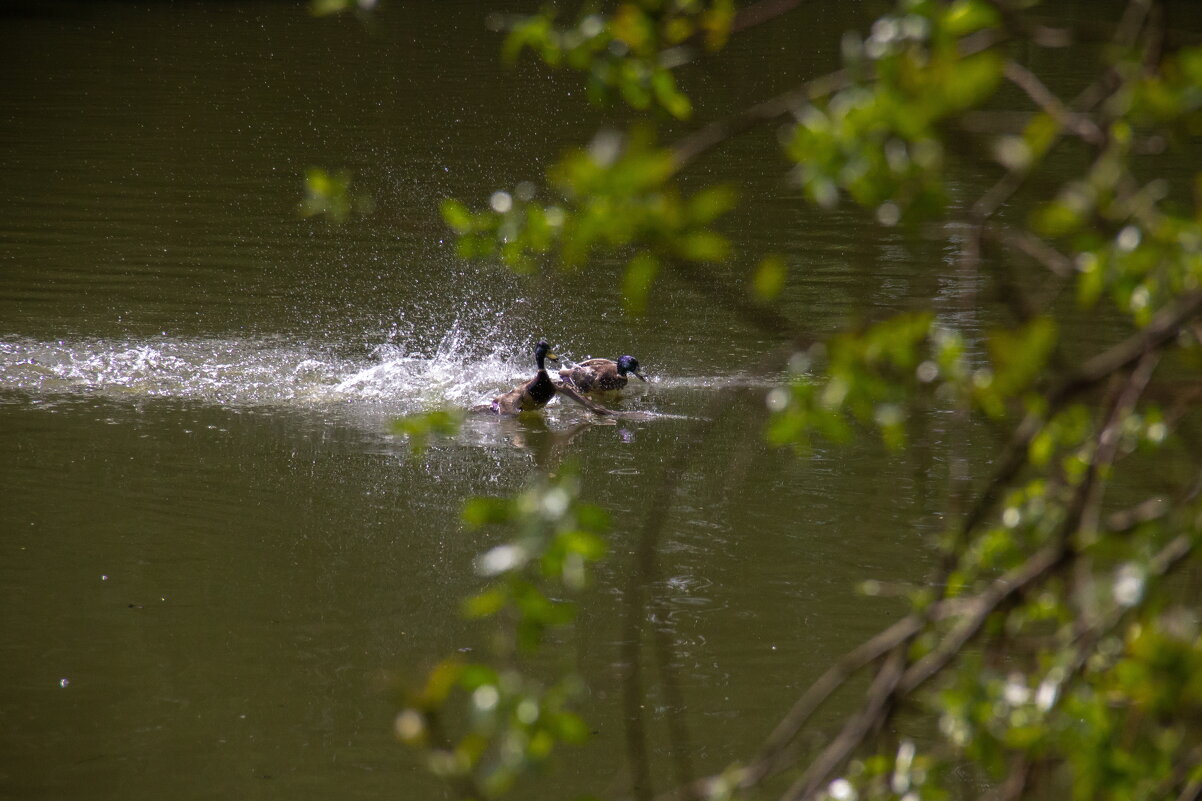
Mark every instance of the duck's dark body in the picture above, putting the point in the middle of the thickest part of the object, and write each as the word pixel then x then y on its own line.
pixel 601 375
pixel 535 393
pixel 538 391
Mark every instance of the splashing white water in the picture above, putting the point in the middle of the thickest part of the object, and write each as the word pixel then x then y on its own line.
pixel 263 372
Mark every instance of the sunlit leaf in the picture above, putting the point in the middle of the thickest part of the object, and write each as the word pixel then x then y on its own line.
pixel 1019 356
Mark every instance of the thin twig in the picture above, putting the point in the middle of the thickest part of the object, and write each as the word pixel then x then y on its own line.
pixel 1077 124
pixel 1030 245
pixel 1011 788
pixel 704 139
pixel 761 12
pixel 1162 329
pixel 888 686
pixel 761 316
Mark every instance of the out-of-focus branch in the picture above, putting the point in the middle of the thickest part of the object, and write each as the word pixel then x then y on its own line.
pixel 1077 124
pixel 761 12
pixel 707 137
pixel 1162 329
pixel 1032 246
pixel 1011 788
pixel 760 316
pixel 697 143
pixel 880 696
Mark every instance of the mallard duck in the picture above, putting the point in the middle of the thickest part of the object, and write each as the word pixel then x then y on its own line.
pixel 538 391
pixel 601 375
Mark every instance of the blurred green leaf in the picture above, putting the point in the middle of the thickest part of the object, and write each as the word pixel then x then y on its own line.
pixel 484 511
pixel 711 203
pixel 636 286
pixel 969 16
pixel 1020 356
pixel 420 427
pixel 669 96
pixel 769 278
pixel 485 604
pixel 328 194
pixel 702 246
pixel 457 216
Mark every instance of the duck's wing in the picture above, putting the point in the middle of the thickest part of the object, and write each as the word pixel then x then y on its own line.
pixel 510 402
pixel 566 389
pixel 581 376
pixel 598 364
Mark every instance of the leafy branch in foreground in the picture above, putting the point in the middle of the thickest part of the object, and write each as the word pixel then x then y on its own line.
pixel 631 51
pixel 1056 647
pixel 484 724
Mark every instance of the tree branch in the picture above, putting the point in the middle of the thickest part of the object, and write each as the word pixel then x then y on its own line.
pixel 1077 124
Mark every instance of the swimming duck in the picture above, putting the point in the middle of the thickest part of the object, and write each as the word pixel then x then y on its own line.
pixel 538 391
pixel 601 375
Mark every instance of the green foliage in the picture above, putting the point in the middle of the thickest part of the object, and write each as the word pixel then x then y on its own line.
pixel 483 725
pixel 628 53
pixel 322 8
pixel 869 376
pixel 1054 647
pixel 616 197
pixel 879 139
pixel 329 194
pixel 419 428
pixel 769 278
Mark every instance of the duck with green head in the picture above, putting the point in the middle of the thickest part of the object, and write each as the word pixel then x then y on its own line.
pixel 538 391
pixel 601 375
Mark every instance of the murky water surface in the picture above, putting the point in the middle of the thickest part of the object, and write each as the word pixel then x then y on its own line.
pixel 212 552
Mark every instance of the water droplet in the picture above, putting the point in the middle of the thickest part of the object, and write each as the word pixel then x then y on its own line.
pixel 63 682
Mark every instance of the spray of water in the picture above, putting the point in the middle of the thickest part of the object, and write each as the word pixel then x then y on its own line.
pixel 460 370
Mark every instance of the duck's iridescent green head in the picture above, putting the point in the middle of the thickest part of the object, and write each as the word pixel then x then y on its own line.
pixel 543 351
pixel 629 364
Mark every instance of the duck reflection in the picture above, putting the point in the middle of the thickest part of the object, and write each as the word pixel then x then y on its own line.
pixel 547 445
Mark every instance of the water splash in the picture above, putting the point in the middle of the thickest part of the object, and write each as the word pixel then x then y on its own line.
pixel 263 372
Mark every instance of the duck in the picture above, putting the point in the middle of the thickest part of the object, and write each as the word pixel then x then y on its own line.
pixel 601 375
pixel 538 391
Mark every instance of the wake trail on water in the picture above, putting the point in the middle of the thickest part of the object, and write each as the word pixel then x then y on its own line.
pixel 462 369
pixel 265 372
